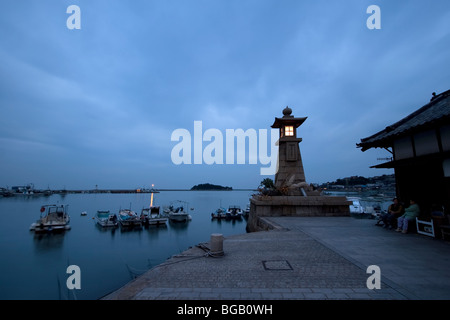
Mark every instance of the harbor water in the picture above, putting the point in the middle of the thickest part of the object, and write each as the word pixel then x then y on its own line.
pixel 35 266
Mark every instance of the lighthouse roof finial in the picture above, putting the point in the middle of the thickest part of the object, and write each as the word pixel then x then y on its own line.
pixel 288 119
pixel 287 112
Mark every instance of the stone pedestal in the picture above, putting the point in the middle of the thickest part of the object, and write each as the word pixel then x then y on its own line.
pixel 290 165
pixel 294 206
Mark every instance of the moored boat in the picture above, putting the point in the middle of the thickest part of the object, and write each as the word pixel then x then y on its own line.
pixel 177 213
pixel 358 210
pixel 246 211
pixel 355 207
pixel 129 218
pixel 220 213
pixel 106 219
pixel 53 218
pixel 152 216
pixel 234 212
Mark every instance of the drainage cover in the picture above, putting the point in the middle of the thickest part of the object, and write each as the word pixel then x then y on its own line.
pixel 277 265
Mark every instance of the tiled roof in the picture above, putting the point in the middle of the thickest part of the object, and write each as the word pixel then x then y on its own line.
pixel 437 110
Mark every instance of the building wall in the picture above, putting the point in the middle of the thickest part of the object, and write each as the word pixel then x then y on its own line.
pixel 420 162
pixel 423 181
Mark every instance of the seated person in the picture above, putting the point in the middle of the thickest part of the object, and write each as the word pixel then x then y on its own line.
pixel 411 213
pixel 394 211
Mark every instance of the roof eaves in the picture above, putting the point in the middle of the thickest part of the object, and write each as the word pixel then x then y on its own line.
pixel 385 136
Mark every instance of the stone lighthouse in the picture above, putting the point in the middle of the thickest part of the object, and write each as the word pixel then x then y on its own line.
pixel 292 195
pixel 290 176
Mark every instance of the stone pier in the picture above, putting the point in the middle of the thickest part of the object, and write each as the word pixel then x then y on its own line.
pixel 294 206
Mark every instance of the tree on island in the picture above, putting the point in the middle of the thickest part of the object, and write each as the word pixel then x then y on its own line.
pixel 209 186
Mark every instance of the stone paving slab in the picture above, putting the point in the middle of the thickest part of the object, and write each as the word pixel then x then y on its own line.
pixel 415 265
pixel 294 262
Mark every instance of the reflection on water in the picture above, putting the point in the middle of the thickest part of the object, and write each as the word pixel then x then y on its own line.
pixel 177 225
pixel 33 266
pixel 48 241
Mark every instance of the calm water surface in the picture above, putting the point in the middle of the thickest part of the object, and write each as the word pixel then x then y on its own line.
pixel 34 266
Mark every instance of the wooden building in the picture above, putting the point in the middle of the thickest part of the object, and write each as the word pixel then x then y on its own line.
pixel 420 148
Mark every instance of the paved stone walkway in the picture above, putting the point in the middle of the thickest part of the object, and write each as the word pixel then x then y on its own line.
pixel 306 258
pixel 413 264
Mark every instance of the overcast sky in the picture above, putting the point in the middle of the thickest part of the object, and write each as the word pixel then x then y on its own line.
pixel 97 106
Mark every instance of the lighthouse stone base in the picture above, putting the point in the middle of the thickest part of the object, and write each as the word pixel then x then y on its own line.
pixel 294 206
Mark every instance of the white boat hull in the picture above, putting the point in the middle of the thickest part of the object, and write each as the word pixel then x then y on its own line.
pixel 106 222
pixel 49 227
pixel 234 213
pixel 179 217
pixel 177 213
pixel 157 221
pixel 130 223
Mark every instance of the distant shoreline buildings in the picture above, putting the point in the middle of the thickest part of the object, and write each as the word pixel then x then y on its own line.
pixel 353 183
pixel 358 183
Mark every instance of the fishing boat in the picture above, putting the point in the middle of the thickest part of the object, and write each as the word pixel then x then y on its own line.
pixel 234 212
pixel 53 218
pixel 129 218
pixel 220 213
pixel 106 219
pixel 6 192
pixel 152 216
pixel 358 210
pixel 177 212
pixel 246 211
pixel 84 213
pixel 355 207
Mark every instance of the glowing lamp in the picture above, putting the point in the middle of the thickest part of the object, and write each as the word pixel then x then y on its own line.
pixel 289 131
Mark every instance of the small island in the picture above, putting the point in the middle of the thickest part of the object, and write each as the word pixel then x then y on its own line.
pixel 209 186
